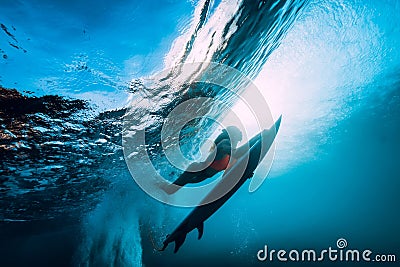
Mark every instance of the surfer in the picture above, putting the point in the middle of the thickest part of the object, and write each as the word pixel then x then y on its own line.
pixel 218 160
pixel 250 155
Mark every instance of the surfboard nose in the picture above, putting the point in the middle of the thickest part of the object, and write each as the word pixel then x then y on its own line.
pixel 268 140
pixel 278 123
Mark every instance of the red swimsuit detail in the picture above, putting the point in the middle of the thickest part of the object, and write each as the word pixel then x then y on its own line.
pixel 221 164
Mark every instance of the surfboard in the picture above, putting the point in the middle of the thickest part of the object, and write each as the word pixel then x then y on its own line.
pixel 238 174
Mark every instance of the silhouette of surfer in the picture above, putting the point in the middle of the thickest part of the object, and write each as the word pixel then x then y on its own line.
pixel 219 159
pixel 256 149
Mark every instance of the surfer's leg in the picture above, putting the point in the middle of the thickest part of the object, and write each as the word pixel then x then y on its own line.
pixel 188 178
pixel 193 177
pixel 184 178
pixel 177 184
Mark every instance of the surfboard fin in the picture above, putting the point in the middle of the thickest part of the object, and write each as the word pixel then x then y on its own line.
pixel 179 241
pixel 200 228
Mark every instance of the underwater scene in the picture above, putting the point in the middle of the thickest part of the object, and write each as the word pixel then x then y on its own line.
pixel 106 106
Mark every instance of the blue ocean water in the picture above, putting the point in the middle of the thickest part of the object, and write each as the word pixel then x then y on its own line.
pixel 330 68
